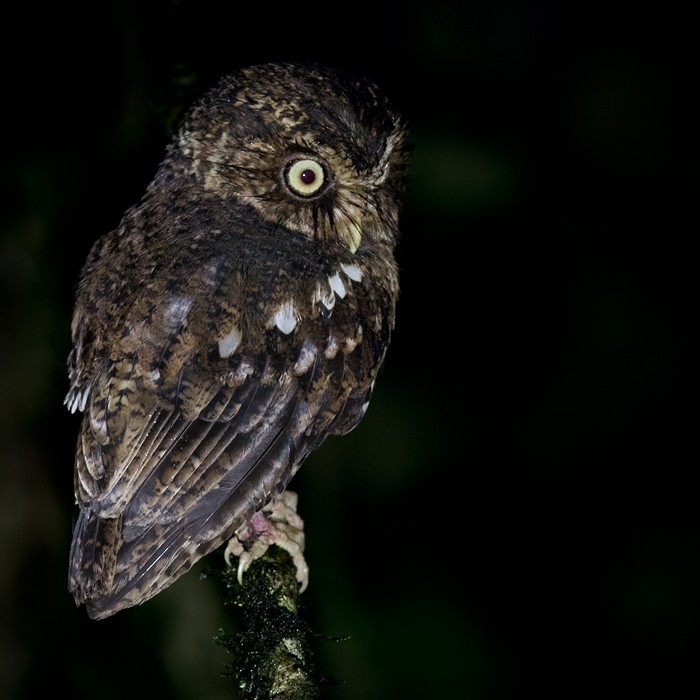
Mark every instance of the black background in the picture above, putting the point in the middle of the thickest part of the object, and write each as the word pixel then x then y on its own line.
pixel 515 517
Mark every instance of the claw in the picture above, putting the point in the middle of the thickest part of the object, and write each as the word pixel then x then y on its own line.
pixel 278 523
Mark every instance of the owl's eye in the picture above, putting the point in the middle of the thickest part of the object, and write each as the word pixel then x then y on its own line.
pixel 305 177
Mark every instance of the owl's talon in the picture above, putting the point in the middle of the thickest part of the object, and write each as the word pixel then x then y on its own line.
pixel 278 523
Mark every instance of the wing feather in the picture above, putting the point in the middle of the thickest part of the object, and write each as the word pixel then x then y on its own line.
pixel 187 483
pixel 251 475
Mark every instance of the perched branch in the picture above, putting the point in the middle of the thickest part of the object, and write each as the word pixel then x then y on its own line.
pixel 272 656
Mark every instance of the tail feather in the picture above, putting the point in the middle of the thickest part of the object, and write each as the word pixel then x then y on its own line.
pixel 93 555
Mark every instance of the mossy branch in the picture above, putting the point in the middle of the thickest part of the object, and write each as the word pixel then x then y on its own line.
pixel 272 655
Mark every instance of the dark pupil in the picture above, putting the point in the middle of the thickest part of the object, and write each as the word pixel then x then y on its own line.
pixel 307 176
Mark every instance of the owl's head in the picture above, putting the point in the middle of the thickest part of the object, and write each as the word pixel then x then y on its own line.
pixel 314 151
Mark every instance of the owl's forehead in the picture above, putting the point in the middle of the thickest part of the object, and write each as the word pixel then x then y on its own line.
pixel 301 87
pixel 278 108
pixel 292 97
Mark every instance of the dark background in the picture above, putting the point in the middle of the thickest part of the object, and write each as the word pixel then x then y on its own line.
pixel 515 517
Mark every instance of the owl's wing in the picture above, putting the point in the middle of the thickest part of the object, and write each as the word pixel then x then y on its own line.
pixel 165 476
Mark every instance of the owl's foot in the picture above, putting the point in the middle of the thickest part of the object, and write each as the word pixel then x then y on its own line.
pixel 278 523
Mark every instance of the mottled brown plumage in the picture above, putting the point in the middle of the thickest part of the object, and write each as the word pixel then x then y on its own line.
pixel 237 316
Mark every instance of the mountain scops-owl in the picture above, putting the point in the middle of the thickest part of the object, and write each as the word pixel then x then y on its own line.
pixel 236 317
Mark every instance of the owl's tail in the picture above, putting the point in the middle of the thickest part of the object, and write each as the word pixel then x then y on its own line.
pixel 93 555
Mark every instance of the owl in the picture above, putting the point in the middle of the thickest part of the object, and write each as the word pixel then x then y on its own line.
pixel 237 316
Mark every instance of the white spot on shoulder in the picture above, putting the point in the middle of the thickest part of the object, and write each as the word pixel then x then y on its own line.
pixel 352 342
pixel 352 271
pixel 285 318
pixel 306 358
pixel 332 348
pixel 77 399
pixel 176 312
pixel 84 394
pixel 211 270
pixel 324 295
pixel 230 342
pixel 237 377
pixel 337 285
